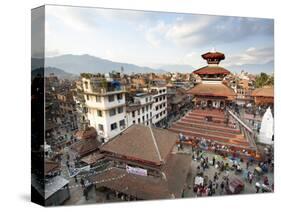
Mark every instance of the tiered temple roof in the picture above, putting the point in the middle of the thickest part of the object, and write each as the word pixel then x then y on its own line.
pixel 213 55
pixel 218 90
pixel 212 78
pixel 211 70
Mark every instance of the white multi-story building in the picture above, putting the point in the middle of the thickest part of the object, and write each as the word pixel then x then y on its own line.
pixel 106 107
pixel 159 95
pixel 108 113
pixel 140 111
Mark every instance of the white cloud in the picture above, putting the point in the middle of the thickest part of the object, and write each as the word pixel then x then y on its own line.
pixel 154 35
pixel 77 19
pixel 120 14
pixel 252 55
pixel 148 37
pixel 251 49
pixel 202 30
pixel 181 32
pixel 178 32
pixel 179 18
pixel 189 58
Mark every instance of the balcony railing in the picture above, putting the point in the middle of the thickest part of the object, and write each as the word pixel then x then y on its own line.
pixel 102 90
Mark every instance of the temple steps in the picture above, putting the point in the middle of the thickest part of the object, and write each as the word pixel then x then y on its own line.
pixel 203 121
pixel 195 125
pixel 207 125
pixel 208 130
pixel 209 113
pixel 199 117
pixel 226 140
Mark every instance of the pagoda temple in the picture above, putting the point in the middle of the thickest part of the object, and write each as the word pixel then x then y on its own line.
pixel 210 124
pixel 211 92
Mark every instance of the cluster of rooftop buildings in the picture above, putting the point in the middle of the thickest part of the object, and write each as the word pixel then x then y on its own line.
pixel 118 116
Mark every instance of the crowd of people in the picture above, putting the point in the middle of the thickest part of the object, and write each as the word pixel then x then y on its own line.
pixel 210 145
pixel 218 182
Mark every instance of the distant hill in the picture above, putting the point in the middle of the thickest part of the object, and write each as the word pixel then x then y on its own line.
pixel 253 68
pixel 77 64
pixel 58 72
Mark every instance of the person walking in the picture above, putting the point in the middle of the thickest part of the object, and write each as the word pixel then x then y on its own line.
pixel 82 182
pixel 67 164
pixel 216 177
pixel 251 178
pixel 227 181
pixel 210 187
pixel 265 180
pixel 247 165
pixel 258 186
pixel 85 193
pixel 214 161
pixel 248 175
pixel 222 187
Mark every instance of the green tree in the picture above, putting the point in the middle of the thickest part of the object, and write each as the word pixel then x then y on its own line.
pixel 103 83
pixel 264 80
pixel 270 81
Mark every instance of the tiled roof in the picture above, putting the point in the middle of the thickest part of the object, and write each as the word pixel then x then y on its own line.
pixel 84 147
pixel 213 55
pixel 264 92
pixel 211 90
pixel 92 158
pixel 137 143
pixel 89 133
pixel 148 187
pixel 211 70
pixel 143 187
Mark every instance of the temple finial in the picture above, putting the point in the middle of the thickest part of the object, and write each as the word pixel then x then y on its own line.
pixel 213 50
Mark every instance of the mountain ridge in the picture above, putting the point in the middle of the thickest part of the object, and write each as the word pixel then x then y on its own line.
pixel 76 64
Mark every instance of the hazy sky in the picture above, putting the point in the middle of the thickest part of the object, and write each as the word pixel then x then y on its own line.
pixel 157 38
